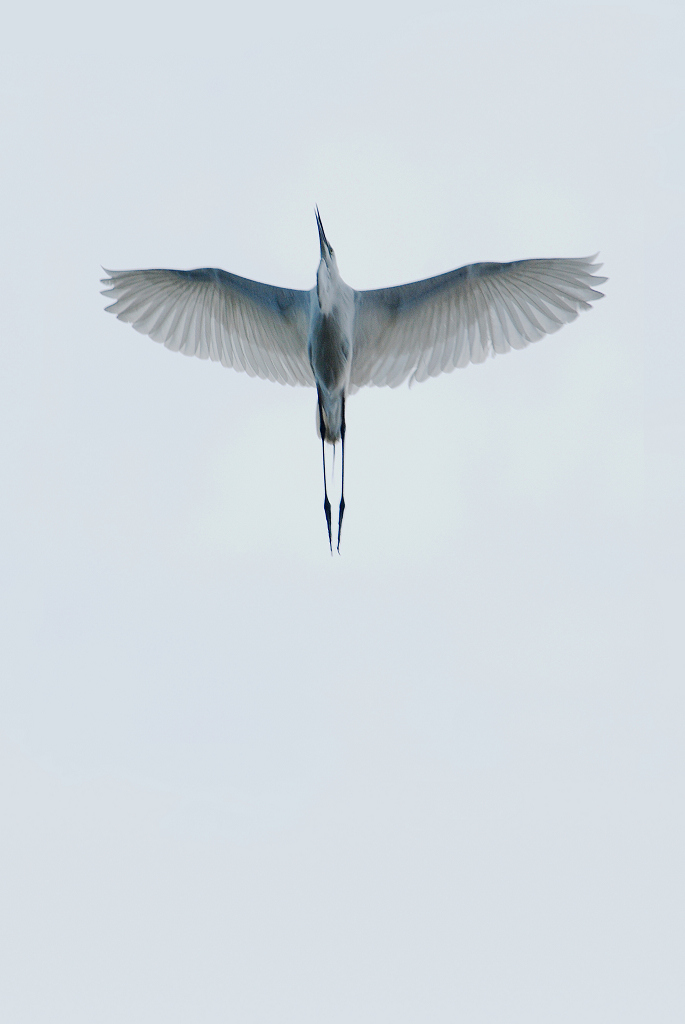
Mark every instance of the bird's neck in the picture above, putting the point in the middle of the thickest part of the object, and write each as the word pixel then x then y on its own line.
pixel 327 286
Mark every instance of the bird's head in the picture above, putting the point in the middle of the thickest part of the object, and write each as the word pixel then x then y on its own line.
pixel 328 275
pixel 327 254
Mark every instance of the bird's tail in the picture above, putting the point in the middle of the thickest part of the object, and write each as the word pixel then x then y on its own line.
pixel 331 411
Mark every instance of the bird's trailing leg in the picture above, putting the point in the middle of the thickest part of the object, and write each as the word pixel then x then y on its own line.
pixel 341 510
pixel 326 502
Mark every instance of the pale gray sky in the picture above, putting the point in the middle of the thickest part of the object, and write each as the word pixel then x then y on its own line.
pixel 439 778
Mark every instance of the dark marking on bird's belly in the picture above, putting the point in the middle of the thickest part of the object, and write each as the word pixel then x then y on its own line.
pixel 329 353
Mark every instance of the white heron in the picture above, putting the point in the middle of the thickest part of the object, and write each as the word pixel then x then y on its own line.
pixel 339 340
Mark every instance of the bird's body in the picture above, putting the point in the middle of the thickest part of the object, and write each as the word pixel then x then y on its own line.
pixel 338 339
pixel 330 343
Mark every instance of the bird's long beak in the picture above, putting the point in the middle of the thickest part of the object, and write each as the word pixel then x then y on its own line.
pixel 323 241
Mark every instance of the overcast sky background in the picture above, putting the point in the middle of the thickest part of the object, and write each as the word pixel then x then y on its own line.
pixel 438 778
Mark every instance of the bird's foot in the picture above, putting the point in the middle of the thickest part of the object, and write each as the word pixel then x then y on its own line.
pixel 327 510
pixel 341 512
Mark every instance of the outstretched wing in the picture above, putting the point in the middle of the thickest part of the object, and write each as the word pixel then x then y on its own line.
pixel 432 326
pixel 214 315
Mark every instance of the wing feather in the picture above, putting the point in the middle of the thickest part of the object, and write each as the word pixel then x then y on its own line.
pixel 432 326
pixel 219 316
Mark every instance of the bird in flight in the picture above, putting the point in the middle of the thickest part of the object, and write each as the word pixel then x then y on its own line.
pixel 338 340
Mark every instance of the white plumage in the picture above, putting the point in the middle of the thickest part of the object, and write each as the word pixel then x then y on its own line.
pixel 340 340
